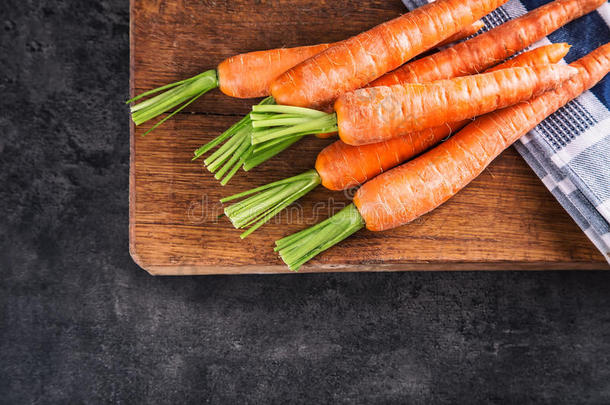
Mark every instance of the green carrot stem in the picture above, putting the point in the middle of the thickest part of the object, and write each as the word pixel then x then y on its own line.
pixel 258 157
pixel 233 149
pixel 234 160
pixel 166 87
pixel 234 145
pixel 179 94
pixel 263 203
pixel 287 109
pixel 262 147
pixel 217 158
pixel 313 126
pixel 297 249
pixel 221 138
pixel 176 111
pixel 260 116
pixel 278 122
pixel 154 100
pixel 229 133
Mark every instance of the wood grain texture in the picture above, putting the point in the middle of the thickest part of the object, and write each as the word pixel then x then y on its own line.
pixel 506 219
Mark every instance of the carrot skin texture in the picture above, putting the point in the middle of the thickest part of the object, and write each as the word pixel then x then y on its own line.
pixel 359 60
pixel 249 75
pixel 402 194
pixel 377 114
pixel 342 166
pixel 488 48
pixel 544 55
pixel 463 34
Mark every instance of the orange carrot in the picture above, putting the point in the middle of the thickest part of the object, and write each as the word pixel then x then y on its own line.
pixel 409 191
pixel 249 75
pixel 341 166
pixel 487 49
pixel 377 114
pixel 403 194
pixel 359 60
pixel 545 55
pixel 474 55
pixel 465 33
pixel 246 75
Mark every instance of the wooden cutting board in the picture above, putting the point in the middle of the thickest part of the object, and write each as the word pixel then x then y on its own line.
pixel 506 219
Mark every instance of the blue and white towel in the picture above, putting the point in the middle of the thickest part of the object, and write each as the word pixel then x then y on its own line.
pixel 570 150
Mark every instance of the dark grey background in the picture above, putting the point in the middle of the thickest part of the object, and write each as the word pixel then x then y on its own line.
pixel 80 322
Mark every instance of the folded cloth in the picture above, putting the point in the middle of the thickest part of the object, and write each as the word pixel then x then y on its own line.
pixel 570 150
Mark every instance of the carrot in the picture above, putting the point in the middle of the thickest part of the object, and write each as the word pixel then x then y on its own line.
pixel 249 75
pixel 246 75
pixel 487 49
pixel 471 56
pixel 544 55
pixel 340 166
pixel 376 114
pixel 361 59
pixel 401 195
pixel 465 33
pixel 234 152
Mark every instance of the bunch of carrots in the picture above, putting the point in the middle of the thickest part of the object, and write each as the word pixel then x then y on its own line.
pixel 386 109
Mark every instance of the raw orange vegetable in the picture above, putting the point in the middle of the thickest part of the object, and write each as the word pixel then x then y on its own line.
pixel 465 33
pixel 361 59
pixel 402 194
pixel 376 114
pixel 469 57
pixel 487 49
pixel 341 166
pixel 250 75
pixel 246 75
pixel 545 55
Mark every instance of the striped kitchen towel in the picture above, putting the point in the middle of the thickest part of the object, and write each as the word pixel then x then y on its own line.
pixel 570 150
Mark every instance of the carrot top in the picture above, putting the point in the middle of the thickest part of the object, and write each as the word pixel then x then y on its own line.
pixel 179 94
pixel 297 249
pixel 237 150
pixel 269 200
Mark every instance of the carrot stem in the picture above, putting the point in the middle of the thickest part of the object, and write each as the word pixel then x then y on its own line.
pixel 235 148
pixel 175 95
pixel 263 203
pixel 287 109
pixel 312 122
pixel 297 249
pixel 259 156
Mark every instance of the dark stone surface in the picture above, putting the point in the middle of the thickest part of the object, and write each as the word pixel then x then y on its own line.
pixel 79 322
